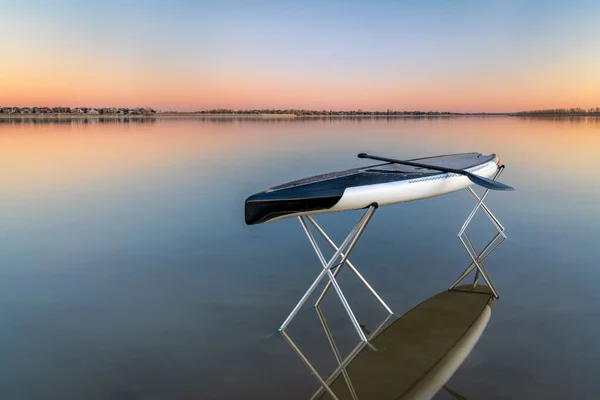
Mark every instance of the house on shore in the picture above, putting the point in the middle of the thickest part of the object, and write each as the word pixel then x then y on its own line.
pixel 10 110
pixel 61 110
pixel 41 110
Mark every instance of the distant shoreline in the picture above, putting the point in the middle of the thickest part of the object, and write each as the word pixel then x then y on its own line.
pixel 277 116
pixel 236 115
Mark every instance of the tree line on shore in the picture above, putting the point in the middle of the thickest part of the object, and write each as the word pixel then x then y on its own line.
pixel 554 111
pixel 300 112
pixel 563 111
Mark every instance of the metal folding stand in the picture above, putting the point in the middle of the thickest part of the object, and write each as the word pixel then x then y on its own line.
pixel 477 258
pixel 342 252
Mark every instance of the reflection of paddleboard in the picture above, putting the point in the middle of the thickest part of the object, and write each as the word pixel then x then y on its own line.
pixel 358 188
pixel 418 352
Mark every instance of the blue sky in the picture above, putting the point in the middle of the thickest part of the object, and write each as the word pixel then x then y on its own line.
pixel 383 51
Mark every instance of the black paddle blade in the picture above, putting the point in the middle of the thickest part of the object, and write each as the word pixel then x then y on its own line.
pixel 487 183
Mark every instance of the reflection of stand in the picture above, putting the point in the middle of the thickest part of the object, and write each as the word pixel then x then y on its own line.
pixel 409 357
pixel 342 364
pixel 342 251
pixel 478 257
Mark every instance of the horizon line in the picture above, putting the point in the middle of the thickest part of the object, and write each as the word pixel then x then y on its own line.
pixel 294 111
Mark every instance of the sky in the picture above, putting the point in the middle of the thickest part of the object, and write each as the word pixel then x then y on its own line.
pixel 461 56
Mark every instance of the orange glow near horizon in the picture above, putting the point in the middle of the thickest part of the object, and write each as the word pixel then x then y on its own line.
pixel 240 93
pixel 35 81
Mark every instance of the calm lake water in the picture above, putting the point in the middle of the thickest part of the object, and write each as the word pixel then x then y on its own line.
pixel 127 272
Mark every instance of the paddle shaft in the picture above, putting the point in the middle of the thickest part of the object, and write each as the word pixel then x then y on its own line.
pixel 479 180
pixel 414 164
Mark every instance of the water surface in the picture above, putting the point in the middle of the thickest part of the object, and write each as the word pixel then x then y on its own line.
pixel 126 270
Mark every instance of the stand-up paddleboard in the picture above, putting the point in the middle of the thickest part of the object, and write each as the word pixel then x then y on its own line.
pixel 418 352
pixel 381 184
pixel 395 181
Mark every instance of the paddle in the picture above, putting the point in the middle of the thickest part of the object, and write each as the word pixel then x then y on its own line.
pixel 479 180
